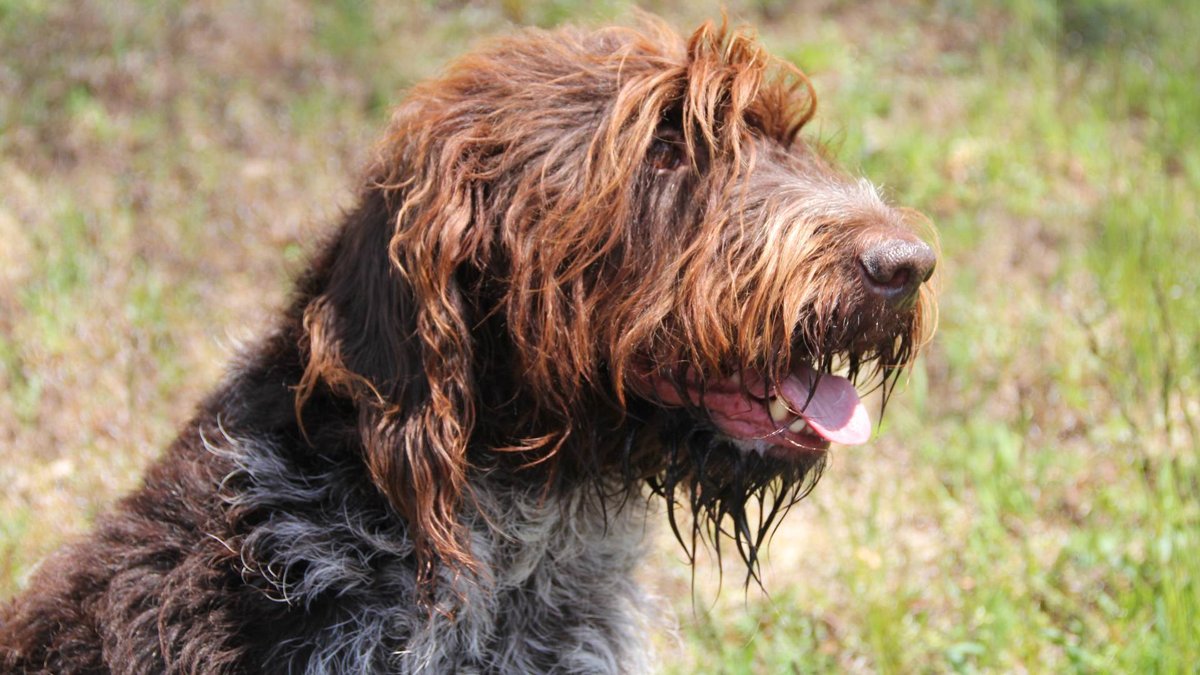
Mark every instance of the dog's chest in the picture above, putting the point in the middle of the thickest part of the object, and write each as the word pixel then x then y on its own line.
pixel 555 592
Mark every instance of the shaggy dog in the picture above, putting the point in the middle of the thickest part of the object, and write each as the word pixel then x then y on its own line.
pixel 584 269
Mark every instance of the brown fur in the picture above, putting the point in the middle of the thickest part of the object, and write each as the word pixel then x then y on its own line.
pixel 554 222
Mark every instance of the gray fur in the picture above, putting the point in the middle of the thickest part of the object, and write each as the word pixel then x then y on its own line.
pixel 554 594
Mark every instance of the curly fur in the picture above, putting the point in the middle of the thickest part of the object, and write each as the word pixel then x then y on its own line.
pixel 440 458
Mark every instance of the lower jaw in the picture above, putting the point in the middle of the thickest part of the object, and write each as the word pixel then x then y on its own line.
pixel 765 437
pixel 791 446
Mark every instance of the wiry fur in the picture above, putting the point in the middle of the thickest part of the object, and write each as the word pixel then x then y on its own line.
pixel 558 595
pixel 439 460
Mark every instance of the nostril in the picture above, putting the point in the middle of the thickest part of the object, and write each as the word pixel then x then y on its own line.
pixel 901 278
pixel 896 268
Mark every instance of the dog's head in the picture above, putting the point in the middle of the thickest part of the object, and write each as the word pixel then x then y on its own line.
pixel 612 256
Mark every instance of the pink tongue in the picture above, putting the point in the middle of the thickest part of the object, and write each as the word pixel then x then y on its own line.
pixel 833 410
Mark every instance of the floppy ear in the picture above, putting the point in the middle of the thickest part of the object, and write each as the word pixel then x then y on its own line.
pixel 389 330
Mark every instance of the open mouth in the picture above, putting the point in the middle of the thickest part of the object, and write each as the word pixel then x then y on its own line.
pixel 803 413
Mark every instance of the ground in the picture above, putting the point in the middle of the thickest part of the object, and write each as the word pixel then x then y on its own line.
pixel 1031 503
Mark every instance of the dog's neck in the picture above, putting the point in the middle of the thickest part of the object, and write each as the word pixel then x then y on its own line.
pixel 554 589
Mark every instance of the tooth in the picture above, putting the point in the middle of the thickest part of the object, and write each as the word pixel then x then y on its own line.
pixel 779 410
pixel 737 378
pixel 799 426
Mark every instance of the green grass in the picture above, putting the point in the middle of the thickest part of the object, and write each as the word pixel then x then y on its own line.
pixel 1032 501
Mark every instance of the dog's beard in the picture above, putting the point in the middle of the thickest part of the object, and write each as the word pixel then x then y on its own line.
pixel 731 497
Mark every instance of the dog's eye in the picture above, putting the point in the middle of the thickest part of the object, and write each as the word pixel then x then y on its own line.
pixel 667 151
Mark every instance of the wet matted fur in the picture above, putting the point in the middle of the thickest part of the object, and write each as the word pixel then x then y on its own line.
pixel 586 269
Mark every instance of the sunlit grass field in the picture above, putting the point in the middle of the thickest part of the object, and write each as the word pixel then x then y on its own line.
pixel 1031 503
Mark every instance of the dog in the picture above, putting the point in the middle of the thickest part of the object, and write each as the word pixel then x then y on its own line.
pixel 587 270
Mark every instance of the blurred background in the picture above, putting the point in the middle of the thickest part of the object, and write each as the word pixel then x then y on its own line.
pixel 1031 501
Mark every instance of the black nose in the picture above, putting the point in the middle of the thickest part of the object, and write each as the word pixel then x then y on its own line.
pixel 894 269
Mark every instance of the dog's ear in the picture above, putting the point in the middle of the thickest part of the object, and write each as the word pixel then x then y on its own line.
pixel 389 329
